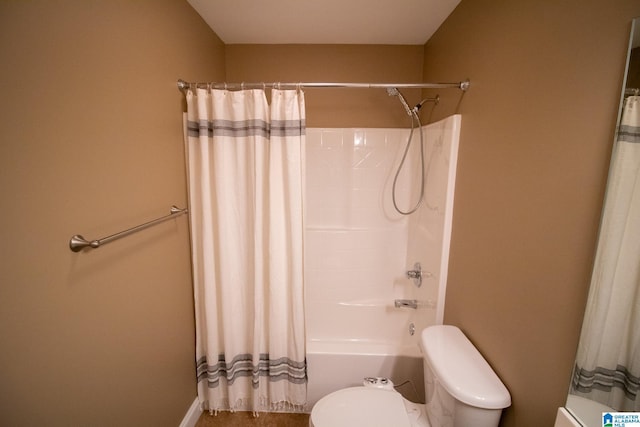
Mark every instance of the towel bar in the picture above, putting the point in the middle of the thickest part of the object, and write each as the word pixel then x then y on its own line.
pixel 78 243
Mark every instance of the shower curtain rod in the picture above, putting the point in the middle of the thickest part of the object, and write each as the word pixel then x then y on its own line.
pixel 463 85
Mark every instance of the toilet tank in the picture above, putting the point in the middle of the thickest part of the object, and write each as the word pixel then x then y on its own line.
pixel 461 388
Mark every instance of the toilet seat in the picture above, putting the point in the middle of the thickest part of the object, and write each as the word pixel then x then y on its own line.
pixel 360 406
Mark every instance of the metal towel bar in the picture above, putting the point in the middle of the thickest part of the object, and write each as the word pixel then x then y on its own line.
pixel 78 243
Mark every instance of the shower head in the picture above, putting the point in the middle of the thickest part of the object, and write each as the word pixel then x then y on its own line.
pixel 393 91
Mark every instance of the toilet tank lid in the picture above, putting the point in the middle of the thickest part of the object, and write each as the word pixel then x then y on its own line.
pixel 461 369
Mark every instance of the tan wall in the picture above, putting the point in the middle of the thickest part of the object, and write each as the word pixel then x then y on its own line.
pixel 335 63
pixel 91 143
pixel 537 130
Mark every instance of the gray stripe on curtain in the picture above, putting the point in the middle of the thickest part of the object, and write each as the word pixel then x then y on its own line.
pixel 628 133
pixel 245 128
pixel 242 366
pixel 241 128
pixel 605 379
pixel 288 127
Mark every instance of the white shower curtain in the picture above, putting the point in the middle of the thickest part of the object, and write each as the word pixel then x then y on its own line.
pixel 245 203
pixel 608 362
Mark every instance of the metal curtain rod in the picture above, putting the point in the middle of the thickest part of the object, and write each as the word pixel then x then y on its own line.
pixel 463 85
pixel 78 243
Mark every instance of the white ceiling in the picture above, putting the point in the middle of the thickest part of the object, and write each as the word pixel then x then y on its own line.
pixel 410 22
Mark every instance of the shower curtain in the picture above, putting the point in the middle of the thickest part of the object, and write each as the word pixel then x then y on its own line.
pixel 245 203
pixel 608 362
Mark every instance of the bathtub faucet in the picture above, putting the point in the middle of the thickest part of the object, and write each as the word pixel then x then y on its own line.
pixel 406 303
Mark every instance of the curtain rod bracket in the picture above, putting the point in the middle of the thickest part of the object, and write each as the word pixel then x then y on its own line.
pixel 182 85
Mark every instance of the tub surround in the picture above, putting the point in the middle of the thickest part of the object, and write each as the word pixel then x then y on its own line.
pixel 358 249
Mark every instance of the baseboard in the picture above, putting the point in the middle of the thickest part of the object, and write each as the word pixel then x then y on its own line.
pixel 191 418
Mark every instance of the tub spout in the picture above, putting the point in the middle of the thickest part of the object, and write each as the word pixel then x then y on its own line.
pixel 406 303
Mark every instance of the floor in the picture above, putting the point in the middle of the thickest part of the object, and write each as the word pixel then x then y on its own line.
pixel 241 419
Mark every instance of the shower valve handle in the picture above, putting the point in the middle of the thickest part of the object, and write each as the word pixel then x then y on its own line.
pixel 416 274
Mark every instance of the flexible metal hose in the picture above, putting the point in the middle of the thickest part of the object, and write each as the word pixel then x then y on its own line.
pixel 414 117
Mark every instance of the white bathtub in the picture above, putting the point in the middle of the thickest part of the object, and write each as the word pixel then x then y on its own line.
pixel 337 364
pixel 581 412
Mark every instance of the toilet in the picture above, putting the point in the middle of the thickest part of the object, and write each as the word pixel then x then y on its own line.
pixel 461 391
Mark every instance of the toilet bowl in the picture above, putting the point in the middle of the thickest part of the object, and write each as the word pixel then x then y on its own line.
pixel 461 391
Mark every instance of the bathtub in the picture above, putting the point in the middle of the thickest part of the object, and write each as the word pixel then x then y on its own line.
pixel 336 364
pixel 580 411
